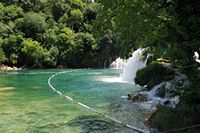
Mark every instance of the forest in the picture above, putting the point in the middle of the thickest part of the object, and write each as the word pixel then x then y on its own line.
pixel 82 34
pixel 48 33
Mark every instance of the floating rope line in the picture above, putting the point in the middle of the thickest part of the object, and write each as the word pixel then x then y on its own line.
pixel 89 108
pixel 181 129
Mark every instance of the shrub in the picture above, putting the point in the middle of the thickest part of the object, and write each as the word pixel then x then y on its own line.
pixel 153 74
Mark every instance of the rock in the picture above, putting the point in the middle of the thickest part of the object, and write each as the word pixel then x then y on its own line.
pixel 138 97
pixel 60 67
pixel 6 68
pixel 167 102
pixel 148 120
pixel 161 91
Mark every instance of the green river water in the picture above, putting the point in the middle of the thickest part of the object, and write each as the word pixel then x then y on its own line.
pixel 29 105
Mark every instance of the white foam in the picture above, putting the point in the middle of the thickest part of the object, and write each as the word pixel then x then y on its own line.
pixel 114 80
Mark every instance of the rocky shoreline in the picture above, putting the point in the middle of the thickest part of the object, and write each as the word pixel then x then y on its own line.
pixel 159 94
pixel 8 68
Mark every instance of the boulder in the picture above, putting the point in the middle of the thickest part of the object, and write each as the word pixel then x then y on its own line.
pixel 137 97
pixel 167 102
pixel 150 116
pixel 161 91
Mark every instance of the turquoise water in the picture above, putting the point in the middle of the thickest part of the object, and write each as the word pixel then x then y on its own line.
pixel 27 103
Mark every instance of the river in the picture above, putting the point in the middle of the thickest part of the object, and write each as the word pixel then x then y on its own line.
pixel 29 105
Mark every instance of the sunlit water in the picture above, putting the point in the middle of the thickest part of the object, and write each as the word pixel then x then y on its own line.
pixel 28 105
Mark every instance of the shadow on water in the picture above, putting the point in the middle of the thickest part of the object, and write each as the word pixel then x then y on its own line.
pixel 94 124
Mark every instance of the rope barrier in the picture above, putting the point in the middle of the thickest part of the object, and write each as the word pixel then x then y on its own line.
pixel 184 128
pixel 89 108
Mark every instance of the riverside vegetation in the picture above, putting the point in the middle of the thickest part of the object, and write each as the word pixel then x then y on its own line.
pixel 72 33
pixel 48 33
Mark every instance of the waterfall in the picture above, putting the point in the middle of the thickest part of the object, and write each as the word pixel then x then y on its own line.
pixel 133 65
pixel 118 63
pixel 129 67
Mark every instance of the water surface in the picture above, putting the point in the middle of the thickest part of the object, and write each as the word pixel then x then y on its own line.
pixel 27 104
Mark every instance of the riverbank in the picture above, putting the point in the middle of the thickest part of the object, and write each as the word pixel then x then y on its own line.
pixel 167 88
pixel 7 68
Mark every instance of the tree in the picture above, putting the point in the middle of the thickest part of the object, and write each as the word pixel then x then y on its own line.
pixel 34 54
pixel 91 11
pixel 59 7
pixel 12 47
pixel 82 52
pixel 10 13
pixel 32 24
pixel 2 54
pixel 26 5
pixel 76 20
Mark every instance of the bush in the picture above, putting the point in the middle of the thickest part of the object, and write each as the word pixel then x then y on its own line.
pixel 153 74
pixel 167 119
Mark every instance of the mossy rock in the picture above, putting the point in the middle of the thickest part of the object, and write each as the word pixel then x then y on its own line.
pixel 154 74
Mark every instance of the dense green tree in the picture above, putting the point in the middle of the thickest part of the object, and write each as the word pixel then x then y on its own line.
pixel 12 48
pixel 50 38
pixel 32 24
pixel 2 54
pixel 34 54
pixel 76 20
pixel 10 13
pixel 81 52
pixel 91 11
pixel 52 60
pixel 62 28
pixel 27 5
pixel 59 7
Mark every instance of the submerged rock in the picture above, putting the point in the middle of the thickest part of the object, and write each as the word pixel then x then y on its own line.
pixel 7 88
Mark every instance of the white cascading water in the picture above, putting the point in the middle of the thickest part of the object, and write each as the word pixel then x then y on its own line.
pixel 129 67
pixel 118 63
pixel 133 65
pixel 171 101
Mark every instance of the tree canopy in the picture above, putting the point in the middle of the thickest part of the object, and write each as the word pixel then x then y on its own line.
pixel 48 33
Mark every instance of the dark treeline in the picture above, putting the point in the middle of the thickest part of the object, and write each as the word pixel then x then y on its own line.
pixel 49 33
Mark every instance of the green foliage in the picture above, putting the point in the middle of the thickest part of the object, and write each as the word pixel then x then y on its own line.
pixel 33 53
pixel 59 7
pixel 167 119
pixel 170 29
pixel 26 5
pixel 2 54
pixel 76 20
pixel 66 38
pixel 91 11
pixel 63 29
pixel 9 13
pixel 153 74
pixel 12 47
pixel 81 52
pixel 49 38
pixel 52 60
pixel 32 24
